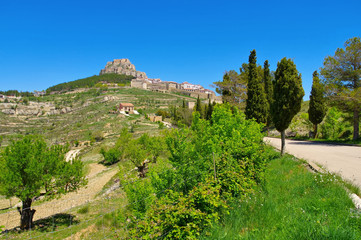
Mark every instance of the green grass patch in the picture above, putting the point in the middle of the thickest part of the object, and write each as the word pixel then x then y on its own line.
pixel 293 203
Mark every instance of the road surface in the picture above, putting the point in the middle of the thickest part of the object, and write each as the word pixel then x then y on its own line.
pixel 341 159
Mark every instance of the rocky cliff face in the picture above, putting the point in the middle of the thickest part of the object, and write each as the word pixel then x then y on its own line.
pixel 122 66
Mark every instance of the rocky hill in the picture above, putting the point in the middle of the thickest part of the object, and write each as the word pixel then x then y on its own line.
pixel 122 66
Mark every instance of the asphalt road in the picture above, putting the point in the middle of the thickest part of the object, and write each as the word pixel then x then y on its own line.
pixel 341 159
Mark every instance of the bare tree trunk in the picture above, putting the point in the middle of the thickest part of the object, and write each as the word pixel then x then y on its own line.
pixel 282 142
pixel 314 130
pixel 356 120
pixel 27 214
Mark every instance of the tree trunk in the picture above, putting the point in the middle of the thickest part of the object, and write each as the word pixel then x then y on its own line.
pixel 27 214
pixel 356 121
pixel 314 130
pixel 282 142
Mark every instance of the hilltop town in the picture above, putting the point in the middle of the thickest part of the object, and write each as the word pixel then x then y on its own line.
pixel 124 66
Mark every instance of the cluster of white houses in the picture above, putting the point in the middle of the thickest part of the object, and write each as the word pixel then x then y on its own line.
pixel 155 84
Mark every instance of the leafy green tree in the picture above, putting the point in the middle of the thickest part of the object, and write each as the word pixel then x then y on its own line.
pixel 29 167
pixel 334 124
pixel 287 96
pixel 342 76
pixel 268 87
pixel 317 109
pixel 233 88
pixel 256 104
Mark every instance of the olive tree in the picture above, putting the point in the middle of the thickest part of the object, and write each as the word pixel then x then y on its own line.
pixel 30 168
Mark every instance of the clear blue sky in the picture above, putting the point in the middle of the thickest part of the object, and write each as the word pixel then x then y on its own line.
pixel 43 43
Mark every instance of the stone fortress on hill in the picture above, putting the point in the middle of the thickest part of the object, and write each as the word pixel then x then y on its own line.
pixel 124 66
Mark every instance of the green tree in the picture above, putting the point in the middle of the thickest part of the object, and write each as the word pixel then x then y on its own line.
pixel 233 88
pixel 29 167
pixel 268 87
pixel 287 96
pixel 256 104
pixel 209 110
pixel 342 75
pixel 198 106
pixel 317 109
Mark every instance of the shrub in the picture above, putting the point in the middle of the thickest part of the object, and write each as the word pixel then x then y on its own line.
pixel 84 210
pixel 140 196
pixel 176 216
pixel 111 156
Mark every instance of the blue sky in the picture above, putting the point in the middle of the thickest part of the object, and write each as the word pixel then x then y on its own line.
pixel 43 43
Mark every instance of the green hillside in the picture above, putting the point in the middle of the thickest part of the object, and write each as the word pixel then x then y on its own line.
pixel 91 82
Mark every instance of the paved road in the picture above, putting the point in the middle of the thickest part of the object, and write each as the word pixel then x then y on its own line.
pixel 345 160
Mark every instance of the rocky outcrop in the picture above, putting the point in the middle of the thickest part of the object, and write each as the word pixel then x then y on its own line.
pixel 122 66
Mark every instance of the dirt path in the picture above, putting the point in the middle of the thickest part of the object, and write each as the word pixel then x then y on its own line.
pixel 97 178
pixel 69 156
pixel 341 159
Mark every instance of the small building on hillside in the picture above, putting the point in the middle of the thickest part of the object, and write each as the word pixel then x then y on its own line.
pixel 126 107
pixel 154 118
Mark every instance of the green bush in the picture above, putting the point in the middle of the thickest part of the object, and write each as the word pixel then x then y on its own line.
pixel 111 156
pixel 210 164
pixel 140 196
pixel 178 216
pixel 334 124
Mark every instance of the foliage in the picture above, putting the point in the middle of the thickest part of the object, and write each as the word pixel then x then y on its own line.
pixel 16 93
pixel 111 156
pixel 256 104
pixel 176 216
pixel 232 88
pixel 140 195
pixel 333 125
pixel 317 109
pixel 342 77
pixel 210 164
pixel 30 166
pixel 91 82
pixel 268 88
pixel 292 204
pixel 287 96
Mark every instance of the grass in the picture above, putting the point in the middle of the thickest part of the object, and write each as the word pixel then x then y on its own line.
pixel 292 204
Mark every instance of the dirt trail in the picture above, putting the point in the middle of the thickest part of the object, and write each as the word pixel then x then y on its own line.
pixel 71 154
pixel 98 176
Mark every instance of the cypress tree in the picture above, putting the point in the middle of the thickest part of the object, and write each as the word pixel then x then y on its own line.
pixel 268 87
pixel 198 106
pixel 287 96
pixel 209 110
pixel 317 109
pixel 256 106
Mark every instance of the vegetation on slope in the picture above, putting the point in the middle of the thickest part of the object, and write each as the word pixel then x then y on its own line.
pixel 91 82
pixel 293 203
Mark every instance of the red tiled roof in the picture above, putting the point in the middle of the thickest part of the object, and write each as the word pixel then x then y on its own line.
pixel 127 105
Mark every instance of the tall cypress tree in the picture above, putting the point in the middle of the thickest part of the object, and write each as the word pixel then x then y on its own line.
pixel 256 106
pixel 287 96
pixel 317 109
pixel 268 87
pixel 209 110
pixel 198 107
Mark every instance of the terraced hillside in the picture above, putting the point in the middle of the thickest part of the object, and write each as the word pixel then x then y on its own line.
pixel 87 115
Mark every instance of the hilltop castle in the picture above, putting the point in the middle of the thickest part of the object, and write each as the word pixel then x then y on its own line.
pixel 124 66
